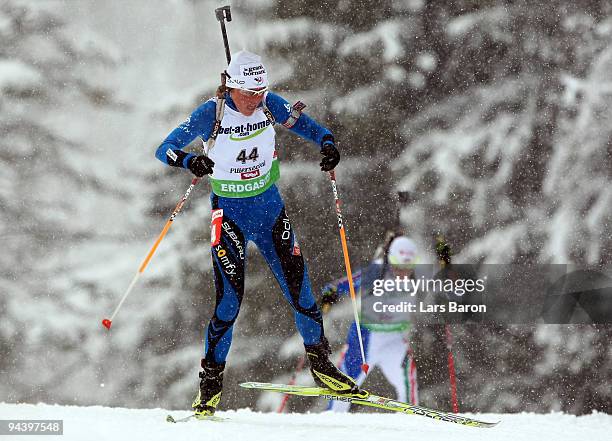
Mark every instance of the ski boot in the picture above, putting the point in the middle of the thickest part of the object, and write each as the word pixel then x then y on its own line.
pixel 328 376
pixel 209 395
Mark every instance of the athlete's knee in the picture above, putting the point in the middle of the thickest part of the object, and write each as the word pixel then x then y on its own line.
pixel 227 309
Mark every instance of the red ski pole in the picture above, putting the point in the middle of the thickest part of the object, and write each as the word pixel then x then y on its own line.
pixel 298 369
pixel 451 369
pixel 444 258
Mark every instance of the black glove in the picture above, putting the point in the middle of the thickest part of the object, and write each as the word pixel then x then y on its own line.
pixel 443 250
pixel 201 165
pixel 329 296
pixel 331 156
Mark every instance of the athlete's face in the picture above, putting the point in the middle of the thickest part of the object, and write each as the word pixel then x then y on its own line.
pixel 247 101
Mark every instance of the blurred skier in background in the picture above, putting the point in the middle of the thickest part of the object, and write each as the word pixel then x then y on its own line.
pixel 385 338
pixel 242 165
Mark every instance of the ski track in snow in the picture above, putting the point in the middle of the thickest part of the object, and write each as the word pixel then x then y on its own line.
pixel 118 424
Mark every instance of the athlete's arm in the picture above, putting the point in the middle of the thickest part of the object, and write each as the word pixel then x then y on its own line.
pixel 200 123
pixel 305 126
pixel 341 286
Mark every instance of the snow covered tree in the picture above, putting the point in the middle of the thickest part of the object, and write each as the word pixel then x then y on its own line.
pixel 492 115
pixel 488 149
pixel 51 185
pixel 486 113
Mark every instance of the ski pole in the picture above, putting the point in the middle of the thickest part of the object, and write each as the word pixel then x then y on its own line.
pixel 347 263
pixel 451 369
pixel 298 369
pixel 107 322
pixel 444 258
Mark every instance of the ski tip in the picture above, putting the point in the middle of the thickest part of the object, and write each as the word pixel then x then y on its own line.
pixel 365 368
pixel 484 424
pixel 107 323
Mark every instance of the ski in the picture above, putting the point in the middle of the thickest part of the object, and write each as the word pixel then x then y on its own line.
pixel 171 419
pixel 370 400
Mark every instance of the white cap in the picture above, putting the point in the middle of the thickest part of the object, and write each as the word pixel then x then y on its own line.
pixel 402 251
pixel 246 71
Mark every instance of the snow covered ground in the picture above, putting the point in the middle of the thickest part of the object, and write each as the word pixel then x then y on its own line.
pixel 117 424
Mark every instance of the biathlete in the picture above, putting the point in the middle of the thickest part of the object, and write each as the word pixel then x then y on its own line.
pixel 242 165
pixel 385 337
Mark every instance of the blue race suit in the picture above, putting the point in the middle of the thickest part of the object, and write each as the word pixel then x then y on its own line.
pixel 261 219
